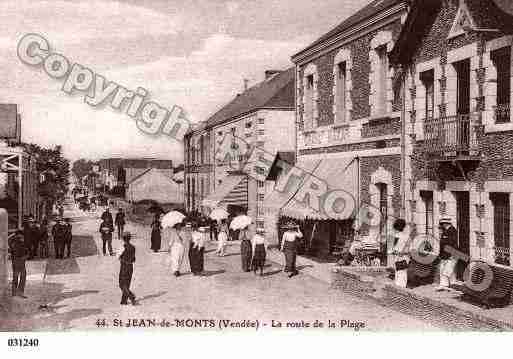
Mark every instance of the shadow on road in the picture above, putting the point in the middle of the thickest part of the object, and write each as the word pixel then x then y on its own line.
pixel 151 296
pixel 81 246
pixel 267 274
pixel 212 272
pixel 40 313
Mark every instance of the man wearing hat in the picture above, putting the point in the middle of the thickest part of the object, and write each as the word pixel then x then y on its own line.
pixel 19 254
pixel 59 232
pixel 448 238
pixel 126 269
pixel 31 234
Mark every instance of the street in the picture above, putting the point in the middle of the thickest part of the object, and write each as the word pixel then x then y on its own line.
pixel 82 293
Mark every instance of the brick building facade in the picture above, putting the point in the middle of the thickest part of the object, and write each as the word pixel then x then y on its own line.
pixel 456 59
pixel 348 113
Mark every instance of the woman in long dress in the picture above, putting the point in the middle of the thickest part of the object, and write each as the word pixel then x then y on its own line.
pixel 400 251
pixel 186 235
pixel 176 248
pixel 222 238
pixel 196 252
pixel 156 238
pixel 245 249
pixel 259 246
pixel 289 247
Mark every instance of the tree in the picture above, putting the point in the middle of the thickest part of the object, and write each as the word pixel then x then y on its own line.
pixel 82 167
pixel 55 171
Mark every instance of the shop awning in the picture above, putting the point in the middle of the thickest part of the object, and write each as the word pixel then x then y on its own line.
pixel 341 176
pixel 232 190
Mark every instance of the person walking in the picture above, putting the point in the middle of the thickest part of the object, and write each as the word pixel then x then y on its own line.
pixel 59 236
pixel 106 229
pixel 68 237
pixel 222 238
pixel 448 238
pixel 120 222
pixel 156 238
pixel 126 270
pixel 259 249
pixel 289 247
pixel 196 251
pixel 186 235
pixel 245 249
pixel 176 247
pixel 106 215
pixel 31 235
pixel 19 253
pixel 400 251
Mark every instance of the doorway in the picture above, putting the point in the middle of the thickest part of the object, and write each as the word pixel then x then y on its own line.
pixel 501 218
pixel 463 228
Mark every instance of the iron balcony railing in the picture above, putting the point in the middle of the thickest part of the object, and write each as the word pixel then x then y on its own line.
pixel 502 113
pixel 450 135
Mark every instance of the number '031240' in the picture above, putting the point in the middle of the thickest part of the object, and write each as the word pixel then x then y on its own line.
pixel 22 342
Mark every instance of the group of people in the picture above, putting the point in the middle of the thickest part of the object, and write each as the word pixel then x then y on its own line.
pixel 32 240
pixel 401 252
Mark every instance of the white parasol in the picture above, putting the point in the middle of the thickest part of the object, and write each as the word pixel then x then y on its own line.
pixel 219 214
pixel 240 222
pixel 170 219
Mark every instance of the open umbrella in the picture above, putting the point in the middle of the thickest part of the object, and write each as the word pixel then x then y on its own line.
pixel 240 222
pixel 219 214
pixel 170 219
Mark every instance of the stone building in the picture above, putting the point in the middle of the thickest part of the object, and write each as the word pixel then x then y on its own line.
pixel 456 59
pixel 260 119
pixel 348 127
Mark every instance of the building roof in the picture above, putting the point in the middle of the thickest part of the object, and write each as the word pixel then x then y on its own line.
pixel 487 14
pixel 275 92
pixel 145 172
pixel 372 9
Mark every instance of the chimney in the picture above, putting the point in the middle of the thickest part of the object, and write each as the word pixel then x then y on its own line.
pixel 246 82
pixel 269 73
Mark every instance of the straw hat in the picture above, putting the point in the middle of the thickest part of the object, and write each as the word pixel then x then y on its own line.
pixel 445 219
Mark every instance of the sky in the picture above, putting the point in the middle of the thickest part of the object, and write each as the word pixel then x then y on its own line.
pixel 190 53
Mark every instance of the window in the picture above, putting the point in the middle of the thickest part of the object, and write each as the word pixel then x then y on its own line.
pixel 383 208
pixel 261 132
pixel 341 92
pixel 261 121
pixel 260 197
pixel 501 232
pixel 427 199
pixel 260 184
pixel 260 224
pixel 189 193
pixel 260 211
pixel 220 133
pixel 202 150
pixel 248 124
pixel 193 192
pixel 309 101
pixel 501 58
pixel 381 86
pixel 428 80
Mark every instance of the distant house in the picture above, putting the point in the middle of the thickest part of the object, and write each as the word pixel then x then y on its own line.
pixel 153 184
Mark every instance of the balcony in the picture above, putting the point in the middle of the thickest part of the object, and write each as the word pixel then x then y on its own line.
pixel 502 113
pixel 451 137
pixel 324 136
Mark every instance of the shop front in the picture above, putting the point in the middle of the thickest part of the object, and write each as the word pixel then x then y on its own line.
pixel 320 195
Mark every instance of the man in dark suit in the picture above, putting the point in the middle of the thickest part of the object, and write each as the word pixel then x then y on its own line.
pixel 127 259
pixel 31 235
pixel 19 254
pixel 106 229
pixel 59 231
pixel 120 222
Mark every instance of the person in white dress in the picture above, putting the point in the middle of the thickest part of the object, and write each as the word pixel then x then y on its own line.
pixel 222 238
pixel 176 248
pixel 401 252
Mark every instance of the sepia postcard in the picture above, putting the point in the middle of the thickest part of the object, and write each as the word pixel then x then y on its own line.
pixel 244 166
